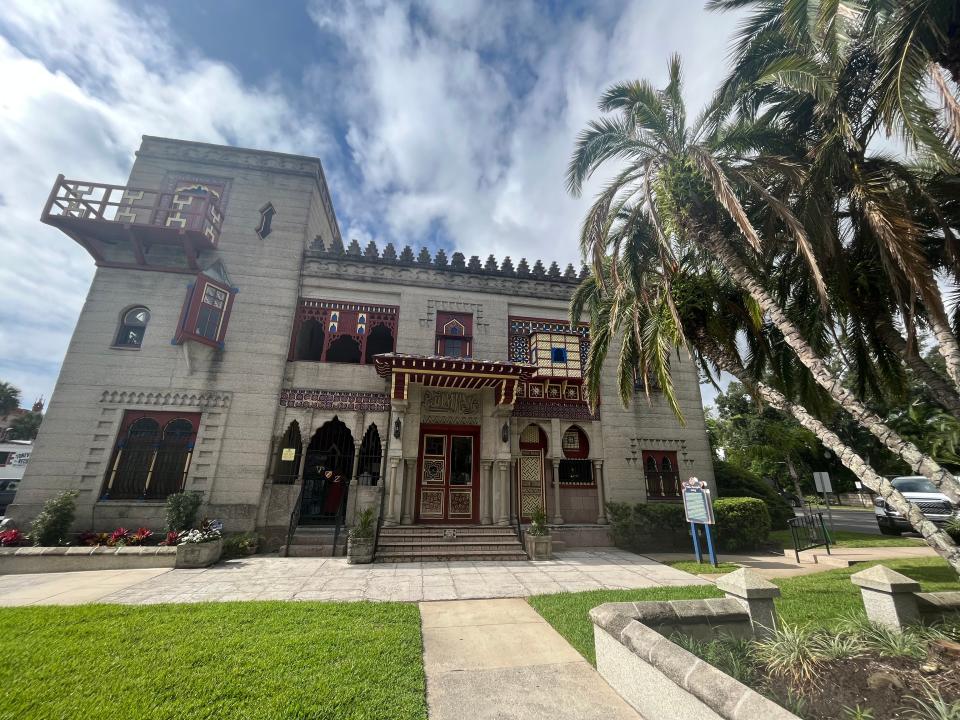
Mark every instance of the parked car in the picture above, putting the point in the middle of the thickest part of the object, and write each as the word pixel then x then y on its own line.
pixel 8 488
pixel 934 505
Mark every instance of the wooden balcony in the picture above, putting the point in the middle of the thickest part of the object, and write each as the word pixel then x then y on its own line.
pixel 663 486
pixel 133 227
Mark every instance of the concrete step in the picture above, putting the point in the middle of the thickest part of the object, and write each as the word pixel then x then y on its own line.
pixel 311 551
pixel 443 547
pixel 453 556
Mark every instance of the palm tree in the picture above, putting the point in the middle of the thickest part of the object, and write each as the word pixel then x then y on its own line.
pixel 653 309
pixel 684 181
pixel 9 399
pixel 26 426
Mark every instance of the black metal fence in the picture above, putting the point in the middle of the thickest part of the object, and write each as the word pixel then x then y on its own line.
pixel 808 531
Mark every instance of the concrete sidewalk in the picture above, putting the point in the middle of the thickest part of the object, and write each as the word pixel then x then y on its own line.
pixel 816 560
pixel 498 659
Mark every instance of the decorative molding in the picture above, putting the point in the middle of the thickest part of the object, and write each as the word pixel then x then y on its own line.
pixel 335 400
pixel 167 398
pixel 639 444
pixel 480 324
pixel 525 407
pixel 337 267
pixel 451 403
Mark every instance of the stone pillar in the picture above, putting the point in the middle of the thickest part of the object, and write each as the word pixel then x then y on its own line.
pixel 391 517
pixel 557 518
pixel 407 491
pixel 382 479
pixel 503 511
pixel 601 503
pixel 888 596
pixel 486 494
pixel 756 595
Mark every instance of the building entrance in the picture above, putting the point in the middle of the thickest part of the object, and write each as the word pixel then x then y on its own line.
pixel 448 478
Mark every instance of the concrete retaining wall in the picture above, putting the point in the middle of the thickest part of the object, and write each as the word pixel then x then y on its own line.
pixel 23 560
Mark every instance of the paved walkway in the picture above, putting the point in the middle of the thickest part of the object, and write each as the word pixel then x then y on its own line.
pixel 275 578
pixel 487 659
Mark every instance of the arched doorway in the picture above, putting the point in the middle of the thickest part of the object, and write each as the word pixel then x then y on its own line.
pixel 326 474
pixel 530 465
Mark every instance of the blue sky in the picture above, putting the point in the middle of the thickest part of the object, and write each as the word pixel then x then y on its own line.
pixel 445 124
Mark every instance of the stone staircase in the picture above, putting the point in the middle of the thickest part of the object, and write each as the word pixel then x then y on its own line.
pixel 448 542
pixel 315 541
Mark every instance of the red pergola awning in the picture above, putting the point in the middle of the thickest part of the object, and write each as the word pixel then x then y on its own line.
pixel 453 373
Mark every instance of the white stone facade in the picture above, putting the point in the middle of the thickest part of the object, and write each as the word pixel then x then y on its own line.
pixel 246 393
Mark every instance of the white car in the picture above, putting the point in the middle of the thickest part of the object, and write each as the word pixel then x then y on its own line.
pixel 935 506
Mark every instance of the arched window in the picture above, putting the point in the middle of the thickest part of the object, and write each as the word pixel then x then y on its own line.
pixel 310 341
pixel 651 464
pixel 666 465
pixel 133 326
pixel 288 456
pixel 575 468
pixel 380 340
pixel 152 455
pixel 368 470
pixel 344 350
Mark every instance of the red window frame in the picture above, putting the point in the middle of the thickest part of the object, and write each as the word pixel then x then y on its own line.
pixel 443 337
pixel 196 302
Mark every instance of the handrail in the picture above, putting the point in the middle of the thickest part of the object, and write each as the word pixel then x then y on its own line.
pixel 294 520
pixel 376 534
pixel 515 503
pixel 102 202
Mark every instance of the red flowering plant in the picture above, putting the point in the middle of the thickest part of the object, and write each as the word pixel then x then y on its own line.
pixel 120 536
pixel 12 538
pixel 140 537
pixel 173 538
pixel 89 538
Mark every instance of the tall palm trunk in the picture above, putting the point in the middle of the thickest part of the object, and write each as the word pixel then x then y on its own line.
pixel 936 538
pixel 941 390
pixel 918 461
pixel 946 343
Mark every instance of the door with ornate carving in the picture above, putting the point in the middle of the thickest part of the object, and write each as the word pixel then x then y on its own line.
pixel 448 478
pixel 533 445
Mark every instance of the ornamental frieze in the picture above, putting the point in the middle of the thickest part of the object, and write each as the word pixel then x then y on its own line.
pixel 440 407
pixel 335 400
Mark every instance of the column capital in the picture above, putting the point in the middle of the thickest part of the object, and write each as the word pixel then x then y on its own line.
pixel 486 464
pixel 598 462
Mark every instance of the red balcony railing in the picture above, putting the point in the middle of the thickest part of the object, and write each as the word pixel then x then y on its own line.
pixel 663 486
pixel 97 215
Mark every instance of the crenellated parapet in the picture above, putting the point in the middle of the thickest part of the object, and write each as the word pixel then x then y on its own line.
pixel 456 263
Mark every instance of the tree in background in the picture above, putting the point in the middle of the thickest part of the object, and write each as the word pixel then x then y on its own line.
pixel 26 426
pixel 9 398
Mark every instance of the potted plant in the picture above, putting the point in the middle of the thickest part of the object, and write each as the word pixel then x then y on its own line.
pixel 202 547
pixel 537 541
pixel 360 540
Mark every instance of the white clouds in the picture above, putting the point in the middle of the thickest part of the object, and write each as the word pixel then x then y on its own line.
pixel 82 82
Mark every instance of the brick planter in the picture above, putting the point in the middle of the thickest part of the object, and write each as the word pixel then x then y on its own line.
pixel 198 555
pixel 359 551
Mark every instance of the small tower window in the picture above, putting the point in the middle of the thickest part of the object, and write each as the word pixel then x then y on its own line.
pixel 266 219
pixel 558 354
pixel 133 327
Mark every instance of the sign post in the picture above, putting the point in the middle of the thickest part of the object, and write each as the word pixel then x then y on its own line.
pixel 698 507
pixel 822 482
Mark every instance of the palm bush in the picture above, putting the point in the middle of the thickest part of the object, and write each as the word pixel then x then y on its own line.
pixel 52 525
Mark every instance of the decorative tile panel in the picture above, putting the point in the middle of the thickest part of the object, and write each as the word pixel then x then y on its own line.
pixel 335 400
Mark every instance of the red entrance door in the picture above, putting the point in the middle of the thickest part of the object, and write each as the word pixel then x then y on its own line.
pixel 448 475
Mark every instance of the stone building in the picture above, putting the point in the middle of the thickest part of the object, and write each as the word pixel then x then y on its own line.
pixel 231 345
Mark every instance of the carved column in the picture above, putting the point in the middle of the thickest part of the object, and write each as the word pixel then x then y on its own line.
pixel 392 517
pixel 557 518
pixel 409 489
pixel 486 492
pixel 503 514
pixel 601 503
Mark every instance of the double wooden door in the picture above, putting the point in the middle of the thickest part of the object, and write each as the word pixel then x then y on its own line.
pixel 448 478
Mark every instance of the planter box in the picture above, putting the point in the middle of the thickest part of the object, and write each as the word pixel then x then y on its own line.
pixel 359 551
pixel 658 678
pixel 22 560
pixel 538 547
pixel 199 555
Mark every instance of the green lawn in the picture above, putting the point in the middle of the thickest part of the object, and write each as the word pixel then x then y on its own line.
pixel 842 538
pixel 243 661
pixel 692 566
pixel 821 598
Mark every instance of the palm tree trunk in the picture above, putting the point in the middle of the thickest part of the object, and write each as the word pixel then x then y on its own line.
pixel 946 343
pixel 943 393
pixel 915 459
pixel 936 538
pixel 796 480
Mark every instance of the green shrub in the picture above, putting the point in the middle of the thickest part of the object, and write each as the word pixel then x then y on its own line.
pixel 239 544
pixel 743 523
pixel 363 528
pixel 734 481
pixel 52 525
pixel 642 527
pixel 182 511
pixel 538 523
